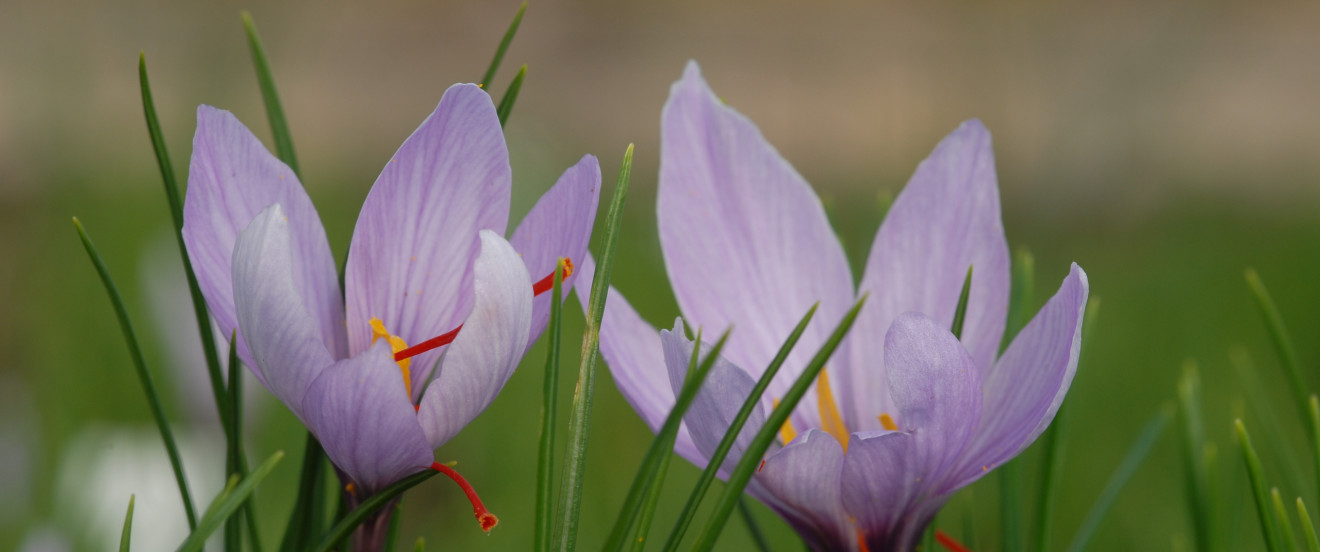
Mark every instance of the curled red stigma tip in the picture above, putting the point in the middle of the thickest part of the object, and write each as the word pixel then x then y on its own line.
pixel 487 520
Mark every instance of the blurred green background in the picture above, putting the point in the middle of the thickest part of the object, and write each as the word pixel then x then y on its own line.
pixel 1164 146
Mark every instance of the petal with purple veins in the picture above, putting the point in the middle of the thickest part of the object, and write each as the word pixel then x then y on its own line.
pixel 804 478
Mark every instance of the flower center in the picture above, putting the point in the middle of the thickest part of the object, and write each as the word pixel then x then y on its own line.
pixel 397 345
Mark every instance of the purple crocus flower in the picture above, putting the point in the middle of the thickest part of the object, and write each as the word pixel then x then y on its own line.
pixel 371 370
pixel 905 413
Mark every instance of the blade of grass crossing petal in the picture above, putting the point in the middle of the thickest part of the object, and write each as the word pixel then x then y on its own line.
pixel 960 313
pixel 1281 515
pixel 346 526
pixel 203 317
pixel 503 47
pixel 279 126
pixel 126 534
pixel 511 96
pixel 735 428
pixel 1268 525
pixel 742 474
pixel 753 528
pixel 227 503
pixel 580 418
pixel 304 520
pixel 663 444
pixel 545 483
pixel 1131 461
pixel 144 376
pixel 1193 445
pixel 1308 529
pixel 392 534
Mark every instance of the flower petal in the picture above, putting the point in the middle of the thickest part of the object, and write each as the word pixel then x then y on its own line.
pixel 360 411
pixel 559 226
pixel 721 397
pixel 487 349
pixel 885 489
pixel 233 177
pixel 937 391
pixel 745 240
pixel 1025 388
pixel 412 251
pixel 946 219
pixel 286 345
pixel 632 349
pixel 804 478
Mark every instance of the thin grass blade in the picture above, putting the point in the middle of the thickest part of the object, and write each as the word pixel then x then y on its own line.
pixel 305 520
pixel 742 474
pixel 1281 515
pixel 1022 291
pixel 345 527
pixel 735 428
pixel 144 375
pixel 126 534
pixel 1278 445
pixel 960 313
pixel 420 546
pixel 1193 445
pixel 503 47
pixel 392 534
pixel 1010 504
pixel 545 483
pixel 1308 529
pixel 234 525
pixel 1269 527
pixel 1135 455
pixel 580 418
pixel 511 95
pixel 227 503
pixel 279 126
pixel 653 496
pixel 753 528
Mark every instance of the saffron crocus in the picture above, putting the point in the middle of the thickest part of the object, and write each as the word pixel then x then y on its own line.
pixel 437 307
pixel 904 413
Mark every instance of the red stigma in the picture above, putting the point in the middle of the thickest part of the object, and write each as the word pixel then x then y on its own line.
pixel 437 341
pixel 760 467
pixel 487 520
pixel 946 541
pixel 547 283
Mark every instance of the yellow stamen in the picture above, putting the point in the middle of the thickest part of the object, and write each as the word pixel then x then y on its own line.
pixel 786 431
pixel 396 344
pixel 830 420
pixel 887 422
pixel 350 488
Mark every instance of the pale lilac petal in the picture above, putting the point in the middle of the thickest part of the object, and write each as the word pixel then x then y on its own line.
pixel 885 489
pixel 721 397
pixel 804 477
pixel 632 349
pixel 410 260
pixel 233 177
pixel 946 219
pixel 487 349
pixel 359 410
pixel 936 391
pixel 287 349
pixel 559 226
pixel 745 240
pixel 1024 389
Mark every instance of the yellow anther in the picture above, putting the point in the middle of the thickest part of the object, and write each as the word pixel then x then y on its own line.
pixel 887 422
pixel 786 431
pixel 830 420
pixel 350 487
pixel 396 344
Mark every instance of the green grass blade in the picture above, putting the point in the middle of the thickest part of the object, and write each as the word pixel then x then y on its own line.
pixel 304 525
pixel 580 418
pixel 1281 515
pixel 392 534
pixel 420 546
pixel 144 376
pixel 279 126
pixel 742 474
pixel 1199 500
pixel 1135 455
pixel 545 483
pixel 1268 525
pixel 653 496
pixel 753 528
pixel 200 311
pixel 960 313
pixel 234 525
pixel 511 95
pixel 1313 411
pixel 1283 342
pixel 1010 505
pixel 126 534
pixel 1051 475
pixel 346 526
pixel 1308 529
pixel 227 503
pixel 663 444
pixel 1263 407
pixel 735 428
pixel 503 47
pixel 1021 292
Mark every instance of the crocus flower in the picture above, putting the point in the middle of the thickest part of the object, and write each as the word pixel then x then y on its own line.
pixel 904 414
pixel 437 307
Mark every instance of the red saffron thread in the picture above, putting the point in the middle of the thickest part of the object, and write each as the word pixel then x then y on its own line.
pixel 487 520
pixel 946 541
pixel 548 283
pixel 437 341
